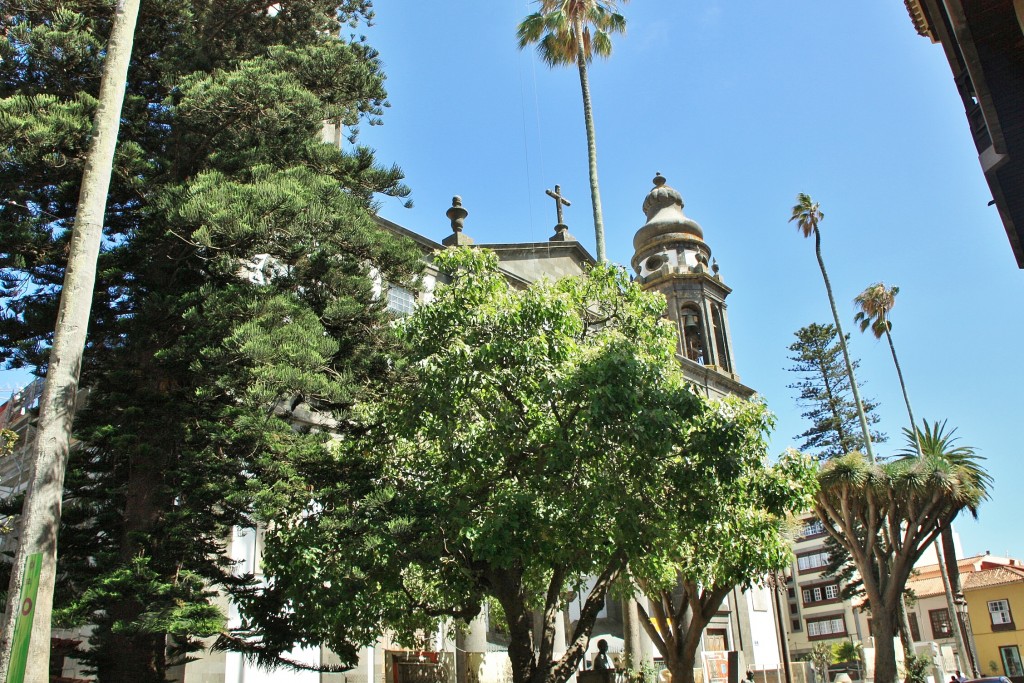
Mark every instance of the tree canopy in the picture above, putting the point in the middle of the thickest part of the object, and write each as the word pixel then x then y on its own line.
pixel 234 287
pixel 885 516
pixel 687 579
pixel 544 438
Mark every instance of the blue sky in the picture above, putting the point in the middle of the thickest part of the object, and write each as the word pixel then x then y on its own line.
pixel 741 105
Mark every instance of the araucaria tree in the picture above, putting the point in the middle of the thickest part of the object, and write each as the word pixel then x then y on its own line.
pixel 825 395
pixel 884 516
pixel 686 579
pixel 234 293
pixel 543 439
pixel 572 32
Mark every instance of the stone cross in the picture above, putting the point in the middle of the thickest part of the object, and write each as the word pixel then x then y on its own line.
pixel 559 201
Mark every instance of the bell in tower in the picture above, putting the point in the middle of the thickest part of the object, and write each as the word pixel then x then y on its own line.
pixel 671 257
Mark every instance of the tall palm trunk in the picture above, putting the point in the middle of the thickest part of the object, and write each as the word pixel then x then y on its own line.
pixel 842 345
pixel 906 397
pixel 948 555
pixel 42 508
pixel 588 117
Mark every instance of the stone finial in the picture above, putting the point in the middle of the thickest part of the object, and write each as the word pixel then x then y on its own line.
pixel 457 215
pixel 562 234
pixel 714 266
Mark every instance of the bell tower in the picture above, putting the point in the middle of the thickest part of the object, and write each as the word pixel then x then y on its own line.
pixel 671 257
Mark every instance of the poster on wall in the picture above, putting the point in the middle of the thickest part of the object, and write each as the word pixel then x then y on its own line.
pixel 716 667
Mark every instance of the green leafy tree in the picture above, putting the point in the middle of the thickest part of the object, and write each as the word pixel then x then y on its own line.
pixel 572 32
pixel 234 315
pixel 686 579
pixel 822 656
pixel 528 457
pixel 808 216
pixel 825 394
pixel 8 440
pixel 916 667
pixel 884 516
pixel 848 651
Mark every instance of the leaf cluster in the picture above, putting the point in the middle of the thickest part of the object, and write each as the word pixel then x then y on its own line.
pixel 572 31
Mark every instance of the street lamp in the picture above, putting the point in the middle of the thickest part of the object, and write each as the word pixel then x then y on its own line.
pixel 965 624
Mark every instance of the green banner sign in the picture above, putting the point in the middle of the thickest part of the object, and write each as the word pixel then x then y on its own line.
pixel 23 622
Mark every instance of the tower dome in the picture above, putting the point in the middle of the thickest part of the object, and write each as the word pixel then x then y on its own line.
pixel 668 237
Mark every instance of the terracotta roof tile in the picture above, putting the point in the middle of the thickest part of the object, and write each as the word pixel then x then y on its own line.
pixel 926 587
pixel 992 577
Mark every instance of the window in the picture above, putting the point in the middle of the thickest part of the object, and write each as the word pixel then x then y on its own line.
pixel 822 592
pixel 941 627
pixel 826 627
pixel 812 562
pixel 999 613
pixel 915 630
pixel 812 527
pixel 400 300
pixel 1011 660
pixel 797 626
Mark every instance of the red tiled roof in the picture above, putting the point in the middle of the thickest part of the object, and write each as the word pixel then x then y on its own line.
pixel 986 578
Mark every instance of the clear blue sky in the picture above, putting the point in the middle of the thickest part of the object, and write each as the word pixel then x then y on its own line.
pixel 741 105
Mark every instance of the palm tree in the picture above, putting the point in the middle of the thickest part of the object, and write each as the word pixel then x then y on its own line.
pixel 936 442
pixel 572 32
pixel 933 441
pixel 808 215
pixel 875 304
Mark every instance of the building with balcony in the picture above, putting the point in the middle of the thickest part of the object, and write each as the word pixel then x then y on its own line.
pixel 983 41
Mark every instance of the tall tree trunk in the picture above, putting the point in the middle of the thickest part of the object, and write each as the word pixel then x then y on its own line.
pixel 588 118
pixel 42 508
pixel 778 586
pixel 948 556
pixel 842 345
pixel 963 654
pixel 883 630
pixel 685 659
pixel 135 656
pixel 508 591
pixel 906 397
